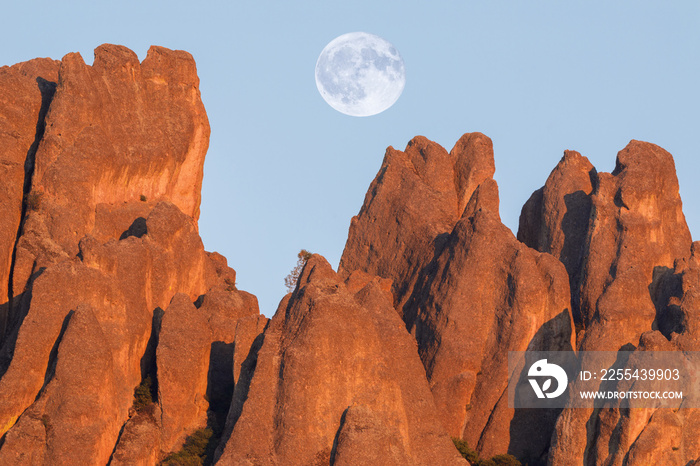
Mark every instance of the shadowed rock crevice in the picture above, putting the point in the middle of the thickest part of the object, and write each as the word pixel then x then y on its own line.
pixel 137 229
pixel 30 200
pixel 7 349
pixel 220 383
pixel 666 292
pixel 531 429
pixel 240 392
pixel 98 234
pixel 148 364
pixel 574 226
pixel 341 424
pixel 53 355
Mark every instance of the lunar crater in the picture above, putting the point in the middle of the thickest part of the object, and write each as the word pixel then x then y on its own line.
pixel 360 74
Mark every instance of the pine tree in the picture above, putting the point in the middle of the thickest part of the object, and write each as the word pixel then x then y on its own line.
pixel 290 280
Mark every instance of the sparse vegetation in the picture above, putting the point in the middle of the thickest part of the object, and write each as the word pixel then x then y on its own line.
pixel 230 285
pixel 196 451
pixel 290 281
pixel 464 450
pixel 143 394
pixel 143 198
pixel 473 457
pixel 505 460
pixel 34 200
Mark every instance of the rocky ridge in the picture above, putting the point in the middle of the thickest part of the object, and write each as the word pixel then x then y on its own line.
pixel 123 339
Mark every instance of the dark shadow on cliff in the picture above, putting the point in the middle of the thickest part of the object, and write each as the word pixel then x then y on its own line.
pixel 574 226
pixel 21 309
pixel 592 428
pixel 53 355
pixel 666 291
pixel 220 384
pixel 30 200
pixel 240 392
pixel 136 229
pixel 531 428
pixel 410 313
pixel 334 449
pixel 149 367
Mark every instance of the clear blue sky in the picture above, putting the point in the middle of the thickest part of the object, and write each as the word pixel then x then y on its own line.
pixel 285 171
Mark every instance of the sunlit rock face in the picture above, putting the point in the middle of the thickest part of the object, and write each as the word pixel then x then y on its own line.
pixel 26 90
pixel 124 340
pixel 103 268
pixel 336 379
pixel 625 243
pixel 467 289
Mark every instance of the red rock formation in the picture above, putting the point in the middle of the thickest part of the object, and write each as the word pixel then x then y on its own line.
pixel 108 286
pixel 555 218
pixel 468 290
pixel 26 89
pixel 122 281
pixel 635 232
pixel 183 361
pixel 139 443
pixel 412 205
pixel 487 294
pixel 336 373
pixel 120 137
pixel 109 239
pixel 665 435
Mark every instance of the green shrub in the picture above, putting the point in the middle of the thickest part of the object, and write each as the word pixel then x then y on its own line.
pixel 143 198
pixel 143 394
pixel 484 463
pixel 473 457
pixel 464 450
pixel 506 460
pixel 194 452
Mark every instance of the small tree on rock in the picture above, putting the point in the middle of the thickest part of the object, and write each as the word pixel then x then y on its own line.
pixel 290 281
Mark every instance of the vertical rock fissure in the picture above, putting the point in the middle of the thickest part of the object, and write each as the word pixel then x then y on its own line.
pixel 240 393
pixel 47 89
pixel 53 356
pixel 116 444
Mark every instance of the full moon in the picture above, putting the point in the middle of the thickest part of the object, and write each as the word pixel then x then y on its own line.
pixel 360 74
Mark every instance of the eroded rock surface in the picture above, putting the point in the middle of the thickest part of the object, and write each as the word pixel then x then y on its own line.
pixel 620 260
pixel 122 337
pixel 120 137
pixel 412 205
pixel 336 372
pixel 487 294
pixel 109 267
pixel 467 289
pixel 26 90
